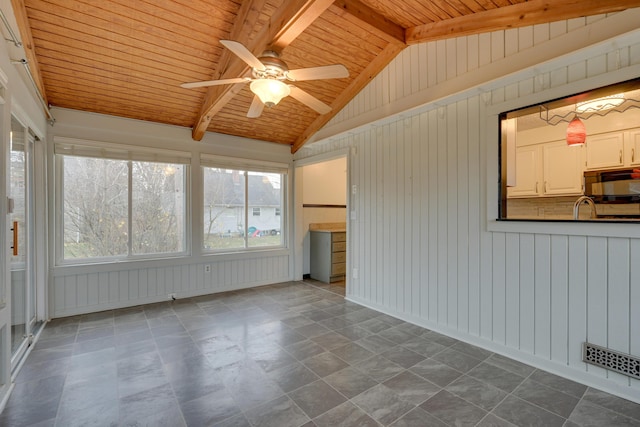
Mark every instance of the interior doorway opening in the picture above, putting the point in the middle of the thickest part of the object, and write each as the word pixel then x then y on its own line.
pixel 321 222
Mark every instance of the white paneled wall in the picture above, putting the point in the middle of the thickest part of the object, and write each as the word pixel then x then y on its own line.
pixel 424 239
pixel 81 290
pixel 427 65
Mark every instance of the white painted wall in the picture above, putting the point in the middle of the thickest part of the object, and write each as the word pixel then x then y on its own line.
pixel 325 183
pixel 88 288
pixel 424 154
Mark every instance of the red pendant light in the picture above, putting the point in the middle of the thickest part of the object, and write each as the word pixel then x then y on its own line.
pixel 576 132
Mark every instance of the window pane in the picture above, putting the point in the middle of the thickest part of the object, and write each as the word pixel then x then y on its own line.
pixel 158 207
pixel 224 209
pixel 95 207
pixel 265 196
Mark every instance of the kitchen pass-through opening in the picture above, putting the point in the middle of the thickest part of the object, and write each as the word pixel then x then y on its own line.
pixel 574 159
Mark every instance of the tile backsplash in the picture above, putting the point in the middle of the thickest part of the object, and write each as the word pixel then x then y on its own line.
pixel 562 208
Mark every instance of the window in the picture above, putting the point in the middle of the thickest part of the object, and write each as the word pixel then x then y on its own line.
pixel 573 158
pixel 118 208
pixel 242 206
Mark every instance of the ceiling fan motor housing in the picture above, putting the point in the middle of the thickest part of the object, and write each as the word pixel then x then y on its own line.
pixel 275 68
pixel 269 79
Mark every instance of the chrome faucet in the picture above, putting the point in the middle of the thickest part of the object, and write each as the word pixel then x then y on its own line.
pixel 587 200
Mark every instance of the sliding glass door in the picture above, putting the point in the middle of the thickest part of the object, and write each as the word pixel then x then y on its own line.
pixel 23 292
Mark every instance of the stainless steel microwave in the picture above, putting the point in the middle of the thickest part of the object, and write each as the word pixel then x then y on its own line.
pixel 613 185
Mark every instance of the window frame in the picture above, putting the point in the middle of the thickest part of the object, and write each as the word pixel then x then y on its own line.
pixel 247 166
pixel 507 151
pixel 83 148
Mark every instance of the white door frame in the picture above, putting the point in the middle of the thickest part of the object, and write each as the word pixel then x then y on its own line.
pixel 298 212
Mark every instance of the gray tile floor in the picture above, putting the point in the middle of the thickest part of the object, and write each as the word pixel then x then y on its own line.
pixel 291 354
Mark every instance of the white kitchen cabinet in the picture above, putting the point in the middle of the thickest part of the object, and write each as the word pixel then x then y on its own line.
pixel 550 169
pixel 562 169
pixel 605 150
pixel 632 148
pixel 527 172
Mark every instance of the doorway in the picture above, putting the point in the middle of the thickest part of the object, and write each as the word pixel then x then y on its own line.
pixel 321 213
pixel 24 322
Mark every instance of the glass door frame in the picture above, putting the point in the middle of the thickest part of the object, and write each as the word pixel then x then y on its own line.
pixel 30 288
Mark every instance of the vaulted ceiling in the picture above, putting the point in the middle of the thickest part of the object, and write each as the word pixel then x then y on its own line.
pixel 128 58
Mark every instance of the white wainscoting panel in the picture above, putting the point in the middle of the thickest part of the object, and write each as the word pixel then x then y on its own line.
pixel 76 291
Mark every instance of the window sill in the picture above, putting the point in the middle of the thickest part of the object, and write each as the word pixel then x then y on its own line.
pixel 595 228
pixel 134 264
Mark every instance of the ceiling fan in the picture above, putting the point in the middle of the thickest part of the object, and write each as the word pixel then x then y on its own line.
pixel 268 79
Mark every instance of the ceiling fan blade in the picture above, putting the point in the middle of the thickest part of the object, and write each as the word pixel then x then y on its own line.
pixel 309 100
pixel 335 71
pixel 214 82
pixel 255 110
pixel 243 53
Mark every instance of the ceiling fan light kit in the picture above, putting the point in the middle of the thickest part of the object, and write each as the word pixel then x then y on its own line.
pixel 270 91
pixel 269 73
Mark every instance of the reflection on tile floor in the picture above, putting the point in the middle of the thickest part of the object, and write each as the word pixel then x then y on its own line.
pixel 292 354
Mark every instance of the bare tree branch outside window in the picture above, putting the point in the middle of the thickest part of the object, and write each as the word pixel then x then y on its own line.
pixel 96 207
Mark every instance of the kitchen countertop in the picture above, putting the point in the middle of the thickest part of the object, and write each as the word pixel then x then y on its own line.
pixel 328 227
pixel 586 220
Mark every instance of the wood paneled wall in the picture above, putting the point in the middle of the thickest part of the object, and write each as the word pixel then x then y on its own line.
pixel 422 238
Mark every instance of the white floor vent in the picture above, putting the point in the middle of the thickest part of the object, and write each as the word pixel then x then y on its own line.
pixel 613 360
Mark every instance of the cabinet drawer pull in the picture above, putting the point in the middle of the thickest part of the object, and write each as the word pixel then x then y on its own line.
pixel 620 156
pixel 536 187
pixel 633 155
pixel 546 188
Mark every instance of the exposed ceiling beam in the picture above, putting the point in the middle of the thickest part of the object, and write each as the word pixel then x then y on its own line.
pixel 387 29
pixel 246 19
pixel 518 15
pixel 372 70
pixel 286 24
pixel 20 12
pixel 293 23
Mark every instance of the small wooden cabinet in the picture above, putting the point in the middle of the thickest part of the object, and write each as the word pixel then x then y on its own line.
pixel 328 255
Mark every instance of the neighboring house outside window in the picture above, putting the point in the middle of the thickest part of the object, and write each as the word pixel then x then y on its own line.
pixel 241 208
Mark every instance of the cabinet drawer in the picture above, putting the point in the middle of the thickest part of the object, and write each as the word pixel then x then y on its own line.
pixel 338 268
pixel 339 237
pixel 339 257
pixel 339 247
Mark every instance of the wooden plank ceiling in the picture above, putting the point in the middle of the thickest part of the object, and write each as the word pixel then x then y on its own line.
pixel 128 58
